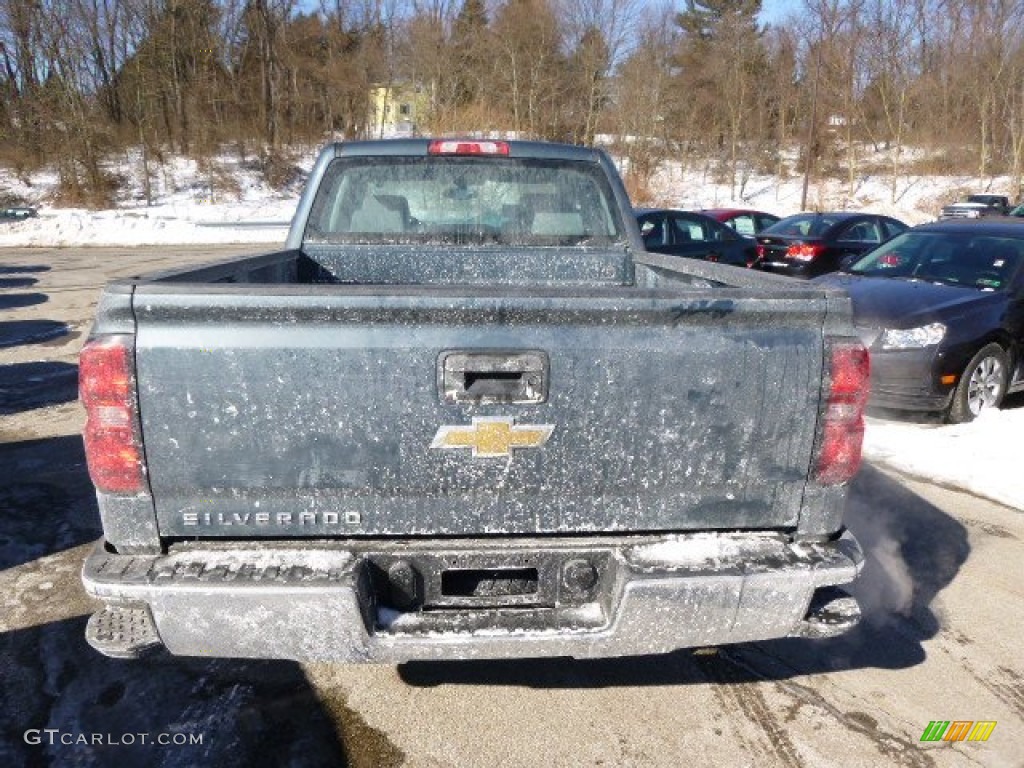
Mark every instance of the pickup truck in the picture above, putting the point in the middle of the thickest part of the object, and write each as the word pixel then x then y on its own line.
pixel 463 414
pixel 977 206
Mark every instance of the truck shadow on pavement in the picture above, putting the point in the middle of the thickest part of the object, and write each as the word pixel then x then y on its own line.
pixel 913 550
pixel 247 713
pixel 242 713
pixel 47 504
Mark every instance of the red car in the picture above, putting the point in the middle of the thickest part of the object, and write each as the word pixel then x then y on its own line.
pixel 743 220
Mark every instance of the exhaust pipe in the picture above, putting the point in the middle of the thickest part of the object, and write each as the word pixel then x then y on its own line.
pixel 832 612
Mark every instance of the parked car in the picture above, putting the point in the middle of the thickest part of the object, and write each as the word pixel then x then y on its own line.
pixel 745 221
pixel 976 207
pixel 811 244
pixel 17 213
pixel 695 236
pixel 942 309
pixel 1017 212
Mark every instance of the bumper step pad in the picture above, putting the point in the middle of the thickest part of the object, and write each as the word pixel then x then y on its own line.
pixel 123 632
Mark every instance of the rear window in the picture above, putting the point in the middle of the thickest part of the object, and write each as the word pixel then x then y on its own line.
pixel 471 200
pixel 802 225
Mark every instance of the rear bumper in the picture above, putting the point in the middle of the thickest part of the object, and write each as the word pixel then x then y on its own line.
pixel 326 601
pixel 787 267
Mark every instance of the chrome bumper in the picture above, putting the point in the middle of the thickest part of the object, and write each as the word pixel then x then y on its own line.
pixel 324 601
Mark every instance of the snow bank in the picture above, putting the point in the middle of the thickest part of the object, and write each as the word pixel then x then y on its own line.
pixel 913 199
pixel 229 202
pixel 175 224
pixel 980 457
pixel 185 207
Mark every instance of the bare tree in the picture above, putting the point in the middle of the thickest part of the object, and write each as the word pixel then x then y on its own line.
pixel 780 98
pixel 644 103
pixel 891 25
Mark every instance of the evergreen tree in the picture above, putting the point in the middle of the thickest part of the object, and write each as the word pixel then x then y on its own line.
pixel 707 20
pixel 469 52
pixel 721 67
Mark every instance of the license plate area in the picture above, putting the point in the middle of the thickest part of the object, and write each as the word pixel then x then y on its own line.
pixel 438 581
pixel 460 592
pixel 493 583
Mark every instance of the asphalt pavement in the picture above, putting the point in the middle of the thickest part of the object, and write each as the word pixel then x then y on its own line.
pixel 940 641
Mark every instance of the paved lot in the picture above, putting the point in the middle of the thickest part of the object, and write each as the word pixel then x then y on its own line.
pixel 941 641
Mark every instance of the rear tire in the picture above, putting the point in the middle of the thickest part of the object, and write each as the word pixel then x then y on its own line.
pixel 982 385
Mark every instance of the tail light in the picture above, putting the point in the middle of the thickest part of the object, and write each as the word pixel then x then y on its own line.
pixel 106 386
pixel 463 147
pixel 761 251
pixel 842 432
pixel 804 251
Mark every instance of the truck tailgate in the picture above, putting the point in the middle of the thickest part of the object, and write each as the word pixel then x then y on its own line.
pixel 321 411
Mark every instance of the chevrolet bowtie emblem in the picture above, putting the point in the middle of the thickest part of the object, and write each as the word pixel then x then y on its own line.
pixel 493 436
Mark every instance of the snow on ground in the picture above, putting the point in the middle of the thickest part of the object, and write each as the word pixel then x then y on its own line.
pixel 228 202
pixel 913 199
pixel 160 225
pixel 980 457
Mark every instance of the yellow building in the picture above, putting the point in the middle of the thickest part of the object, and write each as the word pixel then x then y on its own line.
pixel 396 109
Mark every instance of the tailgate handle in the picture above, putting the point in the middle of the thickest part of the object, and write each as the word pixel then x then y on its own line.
pixel 493 377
